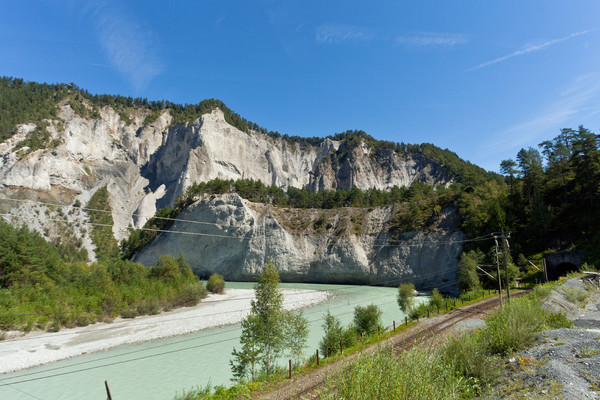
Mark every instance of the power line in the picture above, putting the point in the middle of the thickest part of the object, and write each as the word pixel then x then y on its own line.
pixel 177 342
pixel 419 244
pixel 113 212
pixel 180 341
pixel 138 358
pixel 373 284
pixel 203 337
pixel 128 308
pixel 388 241
pixel 24 392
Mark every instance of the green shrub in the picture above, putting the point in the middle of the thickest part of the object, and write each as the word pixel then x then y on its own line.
pixel 406 295
pixel 148 307
pixel 468 354
pixel 129 313
pixel 191 294
pixel 542 291
pixel 102 234
pixel 436 299
pixel 349 337
pixel 166 269
pixel 421 311
pixel 215 284
pixel 152 117
pixel 514 326
pixel 367 320
pixel 558 320
pixel 330 343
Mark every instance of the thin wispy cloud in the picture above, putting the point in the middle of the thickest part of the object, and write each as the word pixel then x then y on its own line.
pixel 575 105
pixel 432 40
pixel 337 34
pixel 529 49
pixel 128 46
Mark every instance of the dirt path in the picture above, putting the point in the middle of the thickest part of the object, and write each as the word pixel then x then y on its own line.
pixel 311 384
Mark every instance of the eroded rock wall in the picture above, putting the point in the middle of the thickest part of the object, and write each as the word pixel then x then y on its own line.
pixel 145 166
pixel 235 238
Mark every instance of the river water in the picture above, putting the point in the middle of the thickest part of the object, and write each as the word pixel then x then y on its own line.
pixel 160 369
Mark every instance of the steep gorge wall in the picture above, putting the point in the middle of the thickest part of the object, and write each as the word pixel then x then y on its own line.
pixel 235 238
pixel 145 166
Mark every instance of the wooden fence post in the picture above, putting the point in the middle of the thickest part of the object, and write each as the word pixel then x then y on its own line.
pixel 107 390
pixel 317 356
pixel 290 375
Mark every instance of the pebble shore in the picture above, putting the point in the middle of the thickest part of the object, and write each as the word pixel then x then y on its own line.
pixel 38 348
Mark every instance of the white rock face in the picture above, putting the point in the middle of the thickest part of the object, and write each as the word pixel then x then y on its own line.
pixel 235 238
pixel 145 166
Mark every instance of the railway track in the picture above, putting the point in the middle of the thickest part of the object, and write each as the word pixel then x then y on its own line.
pixel 311 385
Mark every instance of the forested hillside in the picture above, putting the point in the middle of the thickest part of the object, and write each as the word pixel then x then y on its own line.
pixel 553 197
pixel 40 289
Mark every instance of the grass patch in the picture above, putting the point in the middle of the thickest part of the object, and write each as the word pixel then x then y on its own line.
pixel 514 326
pixel 416 374
pixel 556 320
pixel 586 352
pixel 237 392
pixel 542 291
pixel 575 295
pixel 469 356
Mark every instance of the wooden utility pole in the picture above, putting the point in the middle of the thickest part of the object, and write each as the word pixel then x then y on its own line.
pixel 505 249
pixel 498 271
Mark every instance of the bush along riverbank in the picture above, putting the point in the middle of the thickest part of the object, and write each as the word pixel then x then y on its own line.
pixel 479 363
pixel 39 289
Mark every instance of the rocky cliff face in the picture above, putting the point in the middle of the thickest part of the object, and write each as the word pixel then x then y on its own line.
pixel 145 166
pixel 234 237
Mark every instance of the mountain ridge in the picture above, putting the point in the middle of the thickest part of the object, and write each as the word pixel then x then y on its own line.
pixel 146 156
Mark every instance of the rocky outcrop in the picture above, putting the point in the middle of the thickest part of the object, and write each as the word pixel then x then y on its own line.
pixel 145 166
pixel 234 237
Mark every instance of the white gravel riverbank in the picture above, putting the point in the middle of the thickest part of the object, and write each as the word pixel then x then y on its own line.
pixel 39 348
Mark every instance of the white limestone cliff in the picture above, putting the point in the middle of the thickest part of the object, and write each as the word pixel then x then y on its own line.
pixel 235 237
pixel 145 166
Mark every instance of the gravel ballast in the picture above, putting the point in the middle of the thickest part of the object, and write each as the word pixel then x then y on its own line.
pixel 566 362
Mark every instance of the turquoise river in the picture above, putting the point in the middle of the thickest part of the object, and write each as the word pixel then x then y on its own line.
pixel 160 369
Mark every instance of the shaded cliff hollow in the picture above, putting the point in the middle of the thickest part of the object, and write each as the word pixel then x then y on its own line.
pixel 235 237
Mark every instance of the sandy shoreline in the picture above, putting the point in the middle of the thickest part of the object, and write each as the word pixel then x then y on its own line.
pixel 39 348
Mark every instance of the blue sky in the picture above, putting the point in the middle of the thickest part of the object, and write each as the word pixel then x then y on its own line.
pixel 482 78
